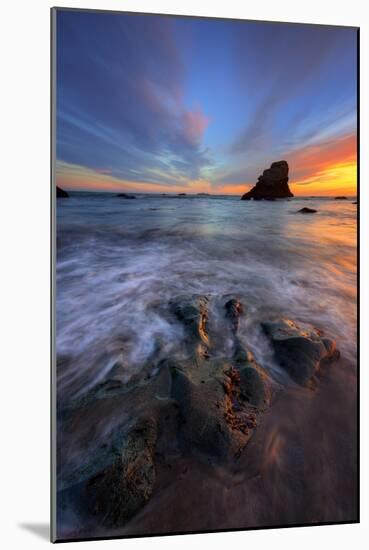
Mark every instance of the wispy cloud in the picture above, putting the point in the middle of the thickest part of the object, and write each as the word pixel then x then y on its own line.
pixel 121 104
pixel 161 101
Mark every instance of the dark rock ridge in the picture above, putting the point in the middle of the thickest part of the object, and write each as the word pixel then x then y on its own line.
pixel 341 198
pixel 125 196
pixel 272 184
pixel 306 210
pixel 203 402
pixel 61 194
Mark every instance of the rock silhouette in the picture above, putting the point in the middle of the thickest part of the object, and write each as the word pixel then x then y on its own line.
pixel 272 184
pixel 61 194
pixel 125 196
pixel 306 210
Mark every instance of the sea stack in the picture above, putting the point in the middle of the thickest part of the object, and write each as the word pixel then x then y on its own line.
pixel 60 193
pixel 273 184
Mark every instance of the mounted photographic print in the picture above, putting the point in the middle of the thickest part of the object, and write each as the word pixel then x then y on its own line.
pixel 204 278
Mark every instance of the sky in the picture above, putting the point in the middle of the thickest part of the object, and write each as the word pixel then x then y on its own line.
pixel 167 104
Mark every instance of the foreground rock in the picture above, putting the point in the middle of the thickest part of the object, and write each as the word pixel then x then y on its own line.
pixel 117 479
pixel 234 310
pixel 299 350
pixel 61 194
pixel 306 210
pixel 202 403
pixel 126 484
pixel 219 399
pixel 114 431
pixel 219 404
pixel 273 184
pixel 192 311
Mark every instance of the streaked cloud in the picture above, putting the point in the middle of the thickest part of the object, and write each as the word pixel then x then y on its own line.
pixel 161 103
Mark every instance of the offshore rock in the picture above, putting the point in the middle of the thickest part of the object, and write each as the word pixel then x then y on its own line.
pixel 125 196
pixel 306 210
pixel 272 184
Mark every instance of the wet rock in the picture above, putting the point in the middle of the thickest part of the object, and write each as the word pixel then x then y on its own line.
pixel 207 423
pixel 234 310
pixel 299 350
pixel 240 355
pixel 306 210
pixel 116 480
pixel 219 405
pixel 341 198
pixel 206 402
pixel 125 196
pixel 272 184
pixel 121 488
pixel 219 399
pixel 253 386
pixel 61 194
pixel 106 452
pixel 192 311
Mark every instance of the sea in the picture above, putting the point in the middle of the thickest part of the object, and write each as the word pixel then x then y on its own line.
pixel 119 263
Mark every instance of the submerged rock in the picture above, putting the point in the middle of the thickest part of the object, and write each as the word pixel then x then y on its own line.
pixel 272 184
pixel 298 350
pixel 61 194
pixel 307 210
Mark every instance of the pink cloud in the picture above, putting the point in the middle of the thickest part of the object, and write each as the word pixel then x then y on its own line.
pixel 194 125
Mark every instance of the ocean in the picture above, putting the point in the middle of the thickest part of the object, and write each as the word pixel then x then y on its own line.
pixel 120 261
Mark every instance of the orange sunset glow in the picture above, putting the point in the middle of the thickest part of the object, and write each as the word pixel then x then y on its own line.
pixel 325 169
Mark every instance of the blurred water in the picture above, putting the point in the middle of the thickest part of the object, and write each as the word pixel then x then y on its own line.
pixel 119 261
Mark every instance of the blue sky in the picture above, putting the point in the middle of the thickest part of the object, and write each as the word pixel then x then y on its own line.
pixel 153 102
